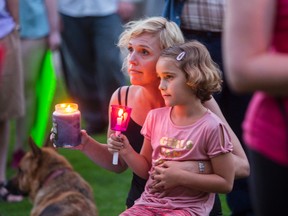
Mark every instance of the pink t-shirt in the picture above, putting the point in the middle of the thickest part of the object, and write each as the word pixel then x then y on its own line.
pixel 199 141
pixel 264 126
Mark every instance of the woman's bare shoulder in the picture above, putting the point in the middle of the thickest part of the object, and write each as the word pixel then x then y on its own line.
pixel 132 94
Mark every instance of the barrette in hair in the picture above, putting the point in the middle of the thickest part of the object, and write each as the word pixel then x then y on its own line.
pixel 180 56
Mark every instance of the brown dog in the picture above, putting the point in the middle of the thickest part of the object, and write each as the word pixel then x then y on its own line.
pixel 52 185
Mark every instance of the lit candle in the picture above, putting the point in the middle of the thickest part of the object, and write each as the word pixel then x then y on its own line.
pixel 125 115
pixel 66 125
pixel 120 116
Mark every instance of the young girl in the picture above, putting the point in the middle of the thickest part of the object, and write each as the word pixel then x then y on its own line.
pixel 183 130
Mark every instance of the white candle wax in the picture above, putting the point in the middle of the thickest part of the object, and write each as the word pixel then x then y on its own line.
pixel 119 121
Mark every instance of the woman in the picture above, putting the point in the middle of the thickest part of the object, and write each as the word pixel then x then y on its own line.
pixel 145 39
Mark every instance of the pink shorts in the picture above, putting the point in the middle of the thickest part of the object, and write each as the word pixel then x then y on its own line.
pixel 11 80
pixel 137 210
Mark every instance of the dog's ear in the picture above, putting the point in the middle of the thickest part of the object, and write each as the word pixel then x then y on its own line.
pixel 35 149
pixel 48 141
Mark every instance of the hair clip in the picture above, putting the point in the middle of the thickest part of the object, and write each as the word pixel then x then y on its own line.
pixel 180 56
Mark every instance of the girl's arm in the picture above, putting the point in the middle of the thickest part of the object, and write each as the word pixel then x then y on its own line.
pixel 138 163
pixel 249 62
pixel 240 161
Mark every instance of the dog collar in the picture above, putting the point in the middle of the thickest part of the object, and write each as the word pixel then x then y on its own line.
pixel 54 174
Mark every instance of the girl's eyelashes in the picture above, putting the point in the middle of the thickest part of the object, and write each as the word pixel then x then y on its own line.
pixel 165 76
pixel 168 77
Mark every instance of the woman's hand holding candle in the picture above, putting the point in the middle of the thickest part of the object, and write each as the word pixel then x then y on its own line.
pixel 85 138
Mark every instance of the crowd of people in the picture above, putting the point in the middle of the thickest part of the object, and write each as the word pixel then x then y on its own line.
pixel 177 64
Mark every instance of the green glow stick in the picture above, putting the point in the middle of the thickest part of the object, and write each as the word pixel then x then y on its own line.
pixel 45 90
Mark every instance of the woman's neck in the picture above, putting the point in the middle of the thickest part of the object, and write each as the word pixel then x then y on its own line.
pixel 153 97
pixel 142 101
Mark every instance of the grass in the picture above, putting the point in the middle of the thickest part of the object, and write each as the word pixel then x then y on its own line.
pixel 110 189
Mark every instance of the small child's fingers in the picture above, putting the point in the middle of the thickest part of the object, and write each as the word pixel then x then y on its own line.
pixel 114 145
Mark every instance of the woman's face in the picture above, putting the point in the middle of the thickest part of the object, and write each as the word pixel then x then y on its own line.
pixel 144 51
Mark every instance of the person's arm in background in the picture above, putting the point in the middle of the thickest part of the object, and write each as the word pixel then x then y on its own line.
pixel 54 38
pixel 249 62
pixel 13 8
pixel 242 168
pixel 127 9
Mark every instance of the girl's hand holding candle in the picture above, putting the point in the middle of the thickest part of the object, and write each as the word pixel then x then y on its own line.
pixel 120 116
pixel 66 125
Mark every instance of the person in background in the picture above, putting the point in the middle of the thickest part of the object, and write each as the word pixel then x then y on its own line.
pixel 89 55
pixel 145 39
pixel 2 52
pixel 183 130
pixel 148 8
pixel 39 33
pixel 256 61
pixel 203 21
pixel 11 86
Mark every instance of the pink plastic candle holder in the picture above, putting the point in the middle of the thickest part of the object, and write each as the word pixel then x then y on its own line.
pixel 119 117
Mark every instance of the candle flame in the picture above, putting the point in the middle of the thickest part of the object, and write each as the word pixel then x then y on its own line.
pixel 120 112
pixel 68 108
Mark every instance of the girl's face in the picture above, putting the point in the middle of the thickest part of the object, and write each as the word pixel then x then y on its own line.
pixel 173 85
pixel 144 51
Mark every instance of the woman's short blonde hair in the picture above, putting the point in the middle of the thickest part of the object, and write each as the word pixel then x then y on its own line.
pixel 168 31
pixel 202 73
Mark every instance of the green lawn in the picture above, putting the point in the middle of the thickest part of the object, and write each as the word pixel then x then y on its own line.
pixel 110 189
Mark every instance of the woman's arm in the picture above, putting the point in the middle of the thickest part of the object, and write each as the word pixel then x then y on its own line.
pixel 242 168
pixel 250 63
pixel 168 167
pixel 220 181
pixel 98 152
